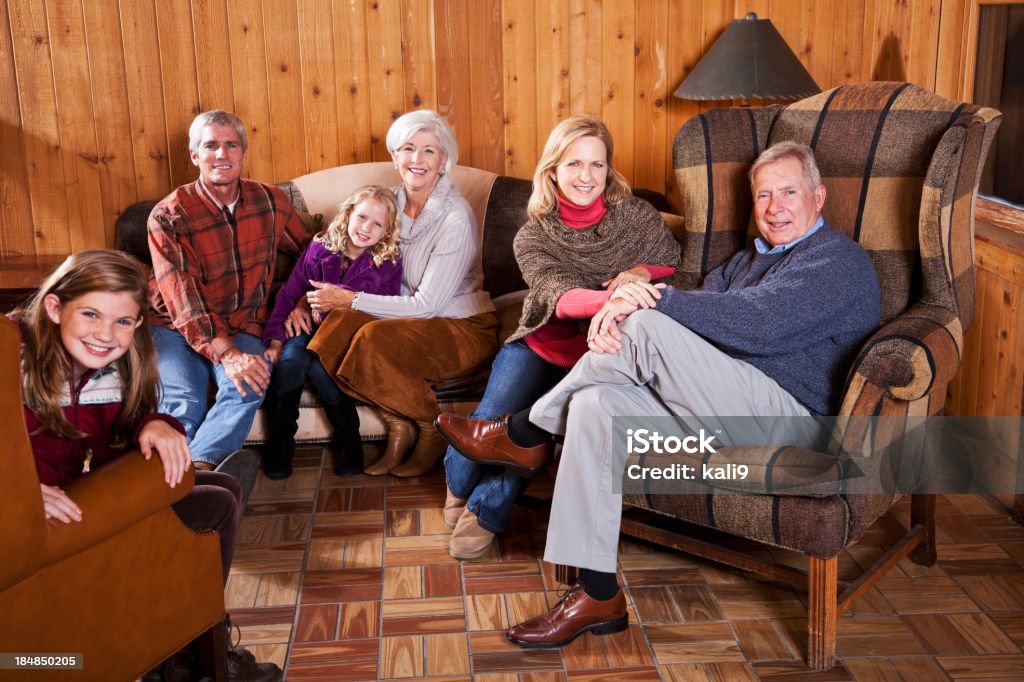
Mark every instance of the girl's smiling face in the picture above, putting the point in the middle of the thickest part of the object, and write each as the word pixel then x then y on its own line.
pixel 367 225
pixel 96 328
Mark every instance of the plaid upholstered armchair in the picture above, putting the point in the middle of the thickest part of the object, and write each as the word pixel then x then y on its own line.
pixel 901 166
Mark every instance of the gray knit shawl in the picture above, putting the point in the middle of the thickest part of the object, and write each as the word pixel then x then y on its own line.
pixel 555 258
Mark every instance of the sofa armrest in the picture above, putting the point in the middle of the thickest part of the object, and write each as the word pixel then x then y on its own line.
pixel 906 358
pixel 112 498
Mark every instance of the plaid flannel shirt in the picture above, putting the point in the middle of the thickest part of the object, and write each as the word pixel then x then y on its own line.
pixel 212 270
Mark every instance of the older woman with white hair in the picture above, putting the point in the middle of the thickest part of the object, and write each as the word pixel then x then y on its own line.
pixel 389 350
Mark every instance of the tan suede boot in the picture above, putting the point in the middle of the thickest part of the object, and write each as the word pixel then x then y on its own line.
pixel 453 508
pixel 469 539
pixel 430 447
pixel 401 435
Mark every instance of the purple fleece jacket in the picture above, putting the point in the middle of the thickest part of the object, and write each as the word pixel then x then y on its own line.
pixel 322 265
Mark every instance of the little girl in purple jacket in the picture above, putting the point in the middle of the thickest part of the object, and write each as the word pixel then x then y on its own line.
pixel 358 251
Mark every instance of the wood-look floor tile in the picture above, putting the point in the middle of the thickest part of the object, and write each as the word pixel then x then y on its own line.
pixel 958 567
pixel 617 675
pixel 684 672
pixel 761 640
pixel 285 506
pixel 402 523
pixel 359 620
pixel 402 582
pixel 363 553
pixel 432 522
pixel 730 672
pixel 422 625
pixel 693 643
pixel 975 552
pixel 550 676
pixel 441 580
pixel 447 654
pixel 918 668
pixel 268 558
pixel 525 605
pixel 401 656
pixel 489 643
pixel 655 561
pixel 517 660
pixel 257 530
pixel 872 602
pixel 864 626
pixel 873 645
pixel 317 623
pixel 496 677
pixel 585 653
pixel 937 634
pixel 486 612
pixel 264 626
pixel 959 528
pixel 348 671
pixel 366 521
pixel 930 603
pixel 768 672
pixel 501 585
pixel 871 669
pixel 628 648
pixel 1012 625
pixel 788 608
pixel 675 604
pixel 406 608
pixel 1014 584
pixel 983 667
pixel 341 586
pixel 983 634
pixel 325 554
pixel 345 650
pixel 278 589
pixel 417 551
pixel 1000 527
pixel 241 590
pixel 657 577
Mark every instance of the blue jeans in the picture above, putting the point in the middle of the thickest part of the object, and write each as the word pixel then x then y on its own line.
pixel 518 378
pixel 185 377
pixel 296 363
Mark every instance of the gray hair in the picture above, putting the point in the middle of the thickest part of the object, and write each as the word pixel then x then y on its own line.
pixel 789 150
pixel 215 117
pixel 407 125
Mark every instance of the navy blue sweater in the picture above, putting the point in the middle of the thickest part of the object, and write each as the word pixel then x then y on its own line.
pixel 799 316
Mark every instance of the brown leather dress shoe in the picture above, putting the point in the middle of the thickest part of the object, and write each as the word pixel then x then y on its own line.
pixel 486 441
pixel 576 613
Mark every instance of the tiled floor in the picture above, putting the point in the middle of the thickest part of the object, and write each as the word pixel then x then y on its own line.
pixel 350 579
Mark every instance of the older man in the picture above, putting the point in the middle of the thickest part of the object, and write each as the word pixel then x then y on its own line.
pixel 214 243
pixel 770 333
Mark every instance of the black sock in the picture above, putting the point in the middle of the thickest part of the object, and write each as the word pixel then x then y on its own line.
pixel 525 433
pixel 600 586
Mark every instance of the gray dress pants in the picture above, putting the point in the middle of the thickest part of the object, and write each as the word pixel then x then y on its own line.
pixel 663 369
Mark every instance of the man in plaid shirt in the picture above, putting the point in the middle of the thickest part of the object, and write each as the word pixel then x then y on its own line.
pixel 214 244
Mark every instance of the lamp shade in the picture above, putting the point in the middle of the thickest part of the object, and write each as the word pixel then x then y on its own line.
pixel 749 60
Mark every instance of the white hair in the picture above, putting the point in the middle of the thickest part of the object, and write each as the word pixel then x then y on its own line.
pixel 407 125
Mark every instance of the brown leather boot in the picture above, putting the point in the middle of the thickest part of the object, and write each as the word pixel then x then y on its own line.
pixel 401 435
pixel 430 446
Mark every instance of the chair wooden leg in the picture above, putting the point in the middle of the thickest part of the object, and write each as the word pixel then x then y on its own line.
pixel 823 612
pixel 213 653
pixel 922 511
pixel 567 575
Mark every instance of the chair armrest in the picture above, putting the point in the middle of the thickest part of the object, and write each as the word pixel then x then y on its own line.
pixel 112 498
pixel 906 358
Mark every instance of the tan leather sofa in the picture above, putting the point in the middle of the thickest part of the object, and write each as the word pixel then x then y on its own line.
pixel 124 588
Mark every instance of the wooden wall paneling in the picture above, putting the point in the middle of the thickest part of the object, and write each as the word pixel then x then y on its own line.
pixel 848 45
pixel 453 80
pixel 586 28
pixel 213 60
pixel 319 93
pixel 618 81
pixel 651 95
pixel 115 162
pixel 952 38
pixel 75 117
pixel 30 37
pixel 986 381
pixel 1007 394
pixel 387 88
pixel 352 81
pixel 178 76
pixel 284 84
pixel 486 78
pixel 419 60
pixel 249 73
pixel 16 216
pixel 553 68
pixel 682 54
pixel 923 41
pixel 145 99
pixel 889 49
pixel 816 42
pixel 714 20
pixel 519 53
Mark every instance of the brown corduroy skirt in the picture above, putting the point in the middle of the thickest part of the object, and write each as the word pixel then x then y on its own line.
pixel 393 363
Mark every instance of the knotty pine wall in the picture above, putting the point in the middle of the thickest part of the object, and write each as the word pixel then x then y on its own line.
pixel 96 95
